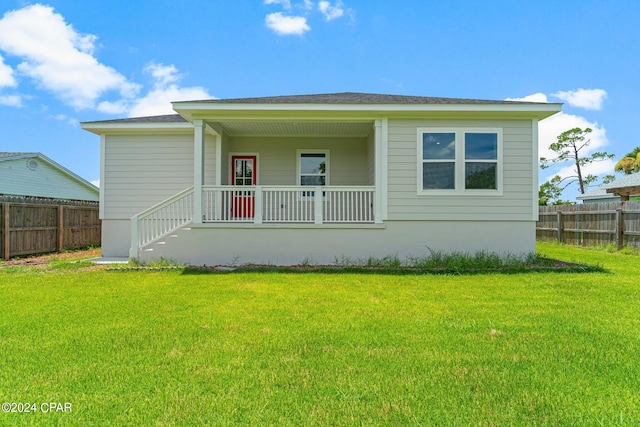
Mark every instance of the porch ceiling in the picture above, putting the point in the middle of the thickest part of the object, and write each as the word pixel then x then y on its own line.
pixel 293 128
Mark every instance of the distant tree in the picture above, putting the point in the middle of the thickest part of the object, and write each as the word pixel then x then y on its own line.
pixel 630 163
pixel 568 149
pixel 550 192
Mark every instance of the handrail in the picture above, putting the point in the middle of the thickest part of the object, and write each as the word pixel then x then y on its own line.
pixel 160 220
pixel 288 203
pixel 163 203
pixel 225 203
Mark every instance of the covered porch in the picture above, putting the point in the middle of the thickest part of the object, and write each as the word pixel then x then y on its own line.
pixel 321 172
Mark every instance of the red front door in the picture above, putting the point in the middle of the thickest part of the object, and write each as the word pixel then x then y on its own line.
pixel 243 173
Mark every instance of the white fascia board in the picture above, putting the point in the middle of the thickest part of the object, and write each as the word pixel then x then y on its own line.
pixel 102 128
pixel 541 110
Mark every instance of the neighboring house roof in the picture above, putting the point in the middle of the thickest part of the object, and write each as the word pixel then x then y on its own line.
pixel 627 185
pixel 8 187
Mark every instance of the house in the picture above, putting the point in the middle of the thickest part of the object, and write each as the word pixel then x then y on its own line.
pixel 316 178
pixel 619 190
pixel 36 175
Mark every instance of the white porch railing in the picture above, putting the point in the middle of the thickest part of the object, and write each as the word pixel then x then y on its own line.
pixel 160 220
pixel 288 204
pixel 259 204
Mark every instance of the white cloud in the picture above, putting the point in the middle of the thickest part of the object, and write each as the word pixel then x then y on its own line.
pixel 158 100
pixel 96 182
pixel 589 99
pixel 164 74
pixel 331 12
pixel 285 3
pixel 6 75
pixel 68 120
pixel 11 100
pixel 536 97
pixel 59 58
pixel 287 25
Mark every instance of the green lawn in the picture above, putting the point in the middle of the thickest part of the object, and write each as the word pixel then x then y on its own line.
pixel 145 348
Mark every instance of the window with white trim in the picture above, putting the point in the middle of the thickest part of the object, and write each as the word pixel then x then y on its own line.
pixel 460 161
pixel 313 168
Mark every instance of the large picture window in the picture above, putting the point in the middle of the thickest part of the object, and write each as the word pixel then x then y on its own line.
pixel 460 161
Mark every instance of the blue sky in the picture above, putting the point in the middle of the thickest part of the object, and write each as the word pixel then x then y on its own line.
pixel 67 61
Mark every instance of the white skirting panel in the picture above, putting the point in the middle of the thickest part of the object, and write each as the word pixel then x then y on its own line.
pixel 116 237
pixel 223 245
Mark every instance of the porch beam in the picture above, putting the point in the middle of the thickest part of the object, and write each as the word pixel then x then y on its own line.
pixel 199 130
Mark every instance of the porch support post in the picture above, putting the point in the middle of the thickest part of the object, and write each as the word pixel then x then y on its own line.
pixel 257 206
pixel 380 198
pixel 198 169
pixel 133 250
pixel 317 205
pixel 218 159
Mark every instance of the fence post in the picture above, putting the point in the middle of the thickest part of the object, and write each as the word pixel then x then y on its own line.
pixel 6 240
pixel 619 229
pixel 60 228
pixel 560 227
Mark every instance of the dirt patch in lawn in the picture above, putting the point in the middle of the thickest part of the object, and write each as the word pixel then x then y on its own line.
pixel 44 260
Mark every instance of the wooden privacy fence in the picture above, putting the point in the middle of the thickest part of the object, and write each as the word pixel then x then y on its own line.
pixel 33 226
pixel 591 224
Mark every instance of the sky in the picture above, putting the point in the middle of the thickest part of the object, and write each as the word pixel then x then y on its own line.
pixel 63 62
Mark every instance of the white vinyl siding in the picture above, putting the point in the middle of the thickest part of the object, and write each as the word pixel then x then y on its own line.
pixel 143 170
pixel 278 158
pixel 17 179
pixel 515 202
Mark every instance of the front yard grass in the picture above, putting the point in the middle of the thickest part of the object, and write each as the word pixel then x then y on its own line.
pixel 275 348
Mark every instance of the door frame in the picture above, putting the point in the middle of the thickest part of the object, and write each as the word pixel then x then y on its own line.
pixel 243 203
pixel 256 169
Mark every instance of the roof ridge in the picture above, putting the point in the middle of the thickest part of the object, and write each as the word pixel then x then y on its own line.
pixel 353 98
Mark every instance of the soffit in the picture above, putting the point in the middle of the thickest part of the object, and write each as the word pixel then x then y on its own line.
pixel 291 128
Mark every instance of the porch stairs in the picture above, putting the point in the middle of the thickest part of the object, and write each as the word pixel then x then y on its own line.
pixel 155 226
pixel 165 240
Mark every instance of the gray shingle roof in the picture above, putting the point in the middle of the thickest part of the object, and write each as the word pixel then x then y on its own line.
pixel 167 118
pixel 352 98
pixel 632 180
pixel 345 98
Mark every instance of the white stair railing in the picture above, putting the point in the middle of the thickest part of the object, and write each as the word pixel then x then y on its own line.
pixel 160 220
